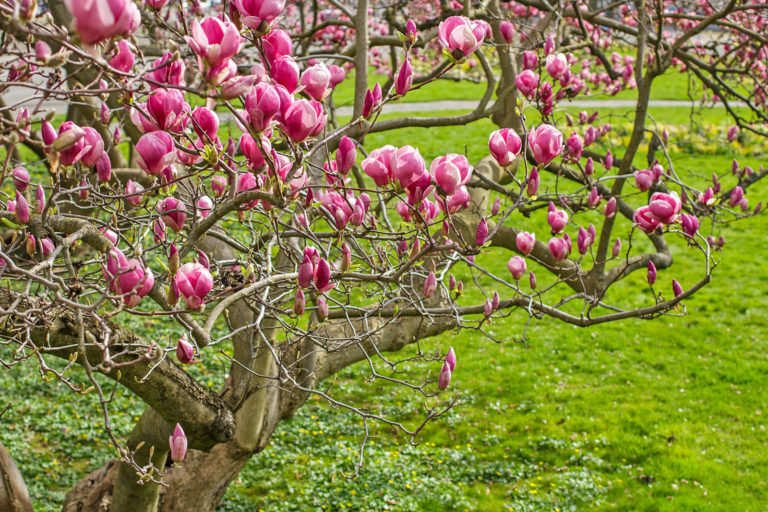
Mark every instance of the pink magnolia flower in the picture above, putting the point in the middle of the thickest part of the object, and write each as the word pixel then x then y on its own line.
pixel 97 20
pixel 445 376
pixel 616 249
pixel 546 143
pixel 645 219
pixel 690 224
pixel 559 248
pixel 205 122
pixel 450 171
pixel 676 288
pixel 178 444
pixel 556 65
pixel 610 208
pixel 124 58
pixel 214 40
pixel 173 212
pixel 530 60
pixel 454 202
pixel 527 82
pixel 644 179
pixel 575 146
pixel 185 352
pixel 93 149
pixel 252 151
pixel 525 242
pixel 133 192
pixel 665 207
pixel 167 110
pixel 21 208
pixel 316 80
pixel 516 266
pixel 261 104
pixel 556 218
pixel 303 119
pixel 20 178
pixel 194 282
pixel 430 285
pixel 533 183
pixel 504 145
pixel 482 233
pixel 338 75
pixel 128 278
pixel 450 358
pixel 651 274
pixel 407 165
pixel 155 152
pixel 74 147
pixel 346 155
pixel 507 29
pixel 258 14
pixel 277 44
pixel 167 71
pixel 404 79
pixel 460 36
pixel 377 165
pixel 594 197
pixel 285 72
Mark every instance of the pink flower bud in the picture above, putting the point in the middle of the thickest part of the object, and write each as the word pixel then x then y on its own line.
pixel 616 247
pixel 450 171
pixel 322 309
pixel 589 168
pixel 450 358
pixel 322 276
pixel 178 444
pixel 507 29
pixel 645 219
pixel 303 119
pixel 299 303
pixel 690 224
pixel 133 192
pixel 445 376
pixel 42 51
pixel 430 285
pixel 594 198
pixel 610 208
pixel 737 194
pixel 530 60
pixel 316 81
pixel 487 308
pixel 205 122
pixel 504 145
pixel 411 32
pixel 20 178
pixel 185 352
pixel 124 58
pixel 93 148
pixel 482 233
pixel 306 272
pixel 194 282
pixel 285 72
pixel 676 288
pixel 556 65
pixel 525 242
pixel 22 208
pixel 346 155
pixel 583 241
pixel 404 78
pixel 546 143
pixel 496 206
pixel 644 179
pixel 156 152
pixel 495 300
pixel 533 183
pixel 516 266
pixel 532 280
pixel 651 274
pixel 733 132
pixel 608 161
pixel 556 218
pixel 69 143
pixel 575 146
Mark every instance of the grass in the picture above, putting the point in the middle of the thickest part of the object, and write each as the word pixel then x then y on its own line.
pixel 637 415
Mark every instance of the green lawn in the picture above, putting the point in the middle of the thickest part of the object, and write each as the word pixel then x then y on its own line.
pixel 661 415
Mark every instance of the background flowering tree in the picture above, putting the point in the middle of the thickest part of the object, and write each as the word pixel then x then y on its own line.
pixel 210 183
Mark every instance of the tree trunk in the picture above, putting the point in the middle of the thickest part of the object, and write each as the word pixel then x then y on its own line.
pixel 14 496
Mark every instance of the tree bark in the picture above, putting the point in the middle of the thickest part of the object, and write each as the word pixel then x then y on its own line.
pixel 14 496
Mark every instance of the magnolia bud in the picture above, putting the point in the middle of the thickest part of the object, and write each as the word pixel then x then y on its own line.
pixel 445 376
pixel 184 350
pixel 346 257
pixel 482 233
pixel 173 260
pixel 496 206
pixel 451 283
pixel 487 308
pixel 299 302
pixel 616 247
pixel 430 285
pixel 532 280
pixel 178 444
pixel 495 301
pixel 676 288
pixel 322 309
pixel 651 275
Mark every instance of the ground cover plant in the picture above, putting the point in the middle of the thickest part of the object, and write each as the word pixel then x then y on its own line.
pixel 205 246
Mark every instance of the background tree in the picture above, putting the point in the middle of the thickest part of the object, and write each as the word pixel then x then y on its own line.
pixel 204 178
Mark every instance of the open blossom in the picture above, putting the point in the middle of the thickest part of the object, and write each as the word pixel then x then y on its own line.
pixel 450 171
pixel 214 40
pixel 504 145
pixel 173 213
pixel 407 165
pixel 167 71
pixel 460 36
pixel 70 143
pixel 97 20
pixel 556 65
pixel 127 278
pixel 194 282
pixel 665 207
pixel 261 104
pixel 527 82
pixel 377 165
pixel 645 219
pixel 258 14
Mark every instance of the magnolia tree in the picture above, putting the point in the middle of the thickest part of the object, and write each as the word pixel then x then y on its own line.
pixel 205 178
